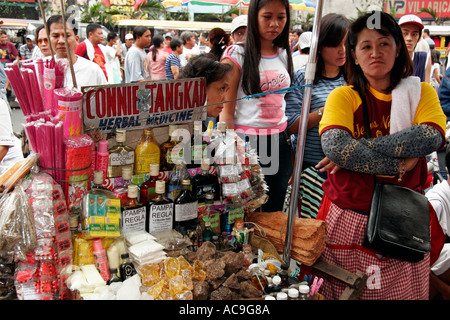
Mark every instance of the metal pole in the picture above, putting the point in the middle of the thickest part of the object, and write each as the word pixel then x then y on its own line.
pixel 302 129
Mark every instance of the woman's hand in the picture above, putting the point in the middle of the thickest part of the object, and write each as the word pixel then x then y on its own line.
pixel 327 165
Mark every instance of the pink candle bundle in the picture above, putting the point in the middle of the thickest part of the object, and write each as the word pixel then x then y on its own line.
pixel 49 82
pixel 78 159
pixel 46 138
pixel 70 105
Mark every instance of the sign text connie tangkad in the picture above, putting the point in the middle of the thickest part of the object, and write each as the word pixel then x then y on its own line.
pixel 133 106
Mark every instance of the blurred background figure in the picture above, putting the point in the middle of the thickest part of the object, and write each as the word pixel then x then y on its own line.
pixel 239 29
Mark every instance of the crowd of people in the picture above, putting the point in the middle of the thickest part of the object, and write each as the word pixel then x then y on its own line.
pixel 392 68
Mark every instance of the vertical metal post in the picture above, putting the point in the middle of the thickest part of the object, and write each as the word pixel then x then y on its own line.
pixel 302 129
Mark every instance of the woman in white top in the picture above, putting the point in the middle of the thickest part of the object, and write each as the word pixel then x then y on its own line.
pixel 262 65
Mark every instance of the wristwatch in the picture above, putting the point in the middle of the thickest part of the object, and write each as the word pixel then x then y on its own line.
pixel 319 112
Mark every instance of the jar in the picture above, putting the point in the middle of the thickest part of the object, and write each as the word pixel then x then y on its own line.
pixel 293 294
pixel 304 292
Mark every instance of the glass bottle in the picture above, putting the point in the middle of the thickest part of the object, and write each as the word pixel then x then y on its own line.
pixel 120 155
pixel 304 292
pixel 159 210
pixel 176 176
pixel 98 181
pixel 133 212
pixel 207 232
pixel 127 269
pixel 166 160
pixel 186 208
pixel 147 152
pixel 121 190
pixel 258 279
pixel 113 276
pixel 198 146
pixel 205 182
pixel 147 189
pixel 283 273
pixel 209 214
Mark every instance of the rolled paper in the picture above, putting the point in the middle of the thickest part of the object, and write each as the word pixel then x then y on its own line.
pixel 70 105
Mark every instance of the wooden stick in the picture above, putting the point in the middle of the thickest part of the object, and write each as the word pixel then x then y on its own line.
pixel 69 56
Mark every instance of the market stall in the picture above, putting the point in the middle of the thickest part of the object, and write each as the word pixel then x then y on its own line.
pixel 127 196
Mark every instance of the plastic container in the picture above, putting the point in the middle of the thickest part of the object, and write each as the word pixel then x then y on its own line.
pixel 304 292
pixel 102 157
pixel 101 261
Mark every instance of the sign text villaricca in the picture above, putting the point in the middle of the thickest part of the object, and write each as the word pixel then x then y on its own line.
pixel 139 105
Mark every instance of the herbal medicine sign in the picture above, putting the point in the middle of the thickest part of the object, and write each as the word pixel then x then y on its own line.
pixel 133 106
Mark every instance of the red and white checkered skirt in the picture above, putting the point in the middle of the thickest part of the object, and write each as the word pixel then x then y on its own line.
pixel 389 279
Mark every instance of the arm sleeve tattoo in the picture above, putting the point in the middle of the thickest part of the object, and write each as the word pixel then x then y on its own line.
pixel 379 155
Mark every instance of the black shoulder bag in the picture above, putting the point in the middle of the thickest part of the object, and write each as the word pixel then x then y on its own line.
pixel 398 225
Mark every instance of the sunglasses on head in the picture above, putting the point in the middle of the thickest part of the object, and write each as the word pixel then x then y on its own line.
pixel 40 41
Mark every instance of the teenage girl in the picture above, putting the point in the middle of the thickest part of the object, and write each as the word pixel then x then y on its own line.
pixel 263 64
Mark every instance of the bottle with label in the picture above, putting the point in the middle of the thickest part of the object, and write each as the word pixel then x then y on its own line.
pixel 121 190
pixel 205 182
pixel 120 156
pixel 133 212
pixel 176 176
pixel 209 214
pixel 186 208
pixel 303 292
pixel 147 189
pixel 102 157
pixel 166 160
pixel 159 210
pixel 127 269
pixel 101 261
pixel 147 152
pixel 198 146
pixel 98 182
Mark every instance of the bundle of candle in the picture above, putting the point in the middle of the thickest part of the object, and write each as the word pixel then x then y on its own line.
pixel 46 138
pixel 69 103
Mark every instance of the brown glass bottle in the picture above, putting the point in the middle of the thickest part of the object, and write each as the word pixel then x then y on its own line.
pixel 159 210
pixel 185 215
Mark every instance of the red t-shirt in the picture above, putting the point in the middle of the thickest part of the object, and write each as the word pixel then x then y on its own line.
pixel 99 58
pixel 8 52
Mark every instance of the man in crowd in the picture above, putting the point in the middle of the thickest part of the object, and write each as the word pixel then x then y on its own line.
pixel 87 73
pixel 190 47
pixel 239 28
pixel 125 47
pixel 113 55
pixel 26 50
pixel 134 62
pixel 8 51
pixel 167 38
pixel 92 47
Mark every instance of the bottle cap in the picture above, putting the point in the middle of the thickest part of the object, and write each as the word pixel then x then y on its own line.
pixel 284 266
pixel 172 128
pixel 98 177
pixel 97 245
pixel 205 165
pixel 276 280
pixel 127 174
pixel 207 224
pixel 124 255
pixel 303 289
pixel 270 298
pixel 281 296
pixel 132 191
pixel 210 196
pixel 113 270
pixel 186 181
pixel 222 126
pixel 121 135
pixel 293 293
pixel 160 187
pixel 103 146
pixel 154 169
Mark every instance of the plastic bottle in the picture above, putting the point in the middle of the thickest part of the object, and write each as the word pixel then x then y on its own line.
pixel 103 157
pixel 304 292
pixel 293 294
pixel 101 261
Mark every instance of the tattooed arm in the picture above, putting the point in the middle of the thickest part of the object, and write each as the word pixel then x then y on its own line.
pixel 379 155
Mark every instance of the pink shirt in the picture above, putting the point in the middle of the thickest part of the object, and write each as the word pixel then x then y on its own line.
pixel 156 68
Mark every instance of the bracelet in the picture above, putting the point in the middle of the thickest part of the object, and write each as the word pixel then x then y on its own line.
pixel 402 169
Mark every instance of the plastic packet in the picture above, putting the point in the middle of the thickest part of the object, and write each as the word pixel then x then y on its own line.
pixel 17 228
